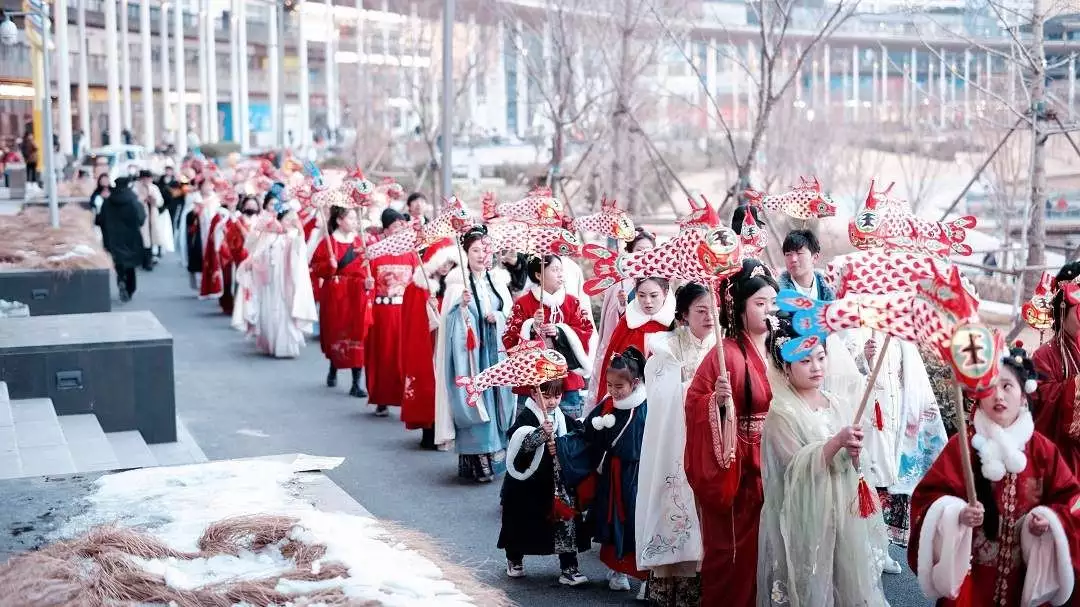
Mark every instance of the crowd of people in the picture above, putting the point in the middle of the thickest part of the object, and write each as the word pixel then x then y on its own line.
pixel 627 450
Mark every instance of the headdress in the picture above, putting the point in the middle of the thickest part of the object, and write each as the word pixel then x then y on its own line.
pixel 1017 359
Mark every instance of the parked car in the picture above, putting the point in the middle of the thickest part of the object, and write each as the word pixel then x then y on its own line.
pixel 116 160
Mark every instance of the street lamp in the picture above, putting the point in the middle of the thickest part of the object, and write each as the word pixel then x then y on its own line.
pixel 39 18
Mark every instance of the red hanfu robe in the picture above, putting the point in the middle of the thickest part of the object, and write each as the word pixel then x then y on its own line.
pixel 631 331
pixel 344 303
pixel 385 380
pixel 729 500
pixel 236 234
pixel 419 322
pixel 997 567
pixel 569 317
pixel 1056 401
pixel 217 269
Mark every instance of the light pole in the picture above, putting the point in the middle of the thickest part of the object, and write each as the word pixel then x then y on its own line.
pixel 38 16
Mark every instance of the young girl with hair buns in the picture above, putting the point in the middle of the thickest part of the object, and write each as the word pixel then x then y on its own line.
pixel 1019 538
pixel 607 452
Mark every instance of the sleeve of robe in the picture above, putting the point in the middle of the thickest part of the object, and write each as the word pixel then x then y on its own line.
pixel 1057 398
pixel 322 265
pixel 1061 491
pixel 578 454
pixel 577 327
pixel 714 487
pixel 303 310
pixel 234 240
pixel 513 334
pixel 457 362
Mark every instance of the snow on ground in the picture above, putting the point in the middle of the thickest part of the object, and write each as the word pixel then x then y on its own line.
pixel 176 504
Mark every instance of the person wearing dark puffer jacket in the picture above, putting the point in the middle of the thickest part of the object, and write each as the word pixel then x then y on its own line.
pixel 120 219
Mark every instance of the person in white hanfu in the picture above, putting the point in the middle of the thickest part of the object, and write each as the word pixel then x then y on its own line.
pixel 275 304
pixel 904 433
pixel 814 550
pixel 668 530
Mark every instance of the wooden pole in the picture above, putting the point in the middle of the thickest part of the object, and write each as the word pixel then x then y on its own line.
pixel 872 379
pixel 728 423
pixel 965 451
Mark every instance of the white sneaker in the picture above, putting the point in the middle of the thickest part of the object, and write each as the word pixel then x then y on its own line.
pixel 618 582
pixel 572 577
pixel 891 566
pixel 515 570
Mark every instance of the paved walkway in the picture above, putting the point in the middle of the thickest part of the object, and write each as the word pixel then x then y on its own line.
pixel 237 403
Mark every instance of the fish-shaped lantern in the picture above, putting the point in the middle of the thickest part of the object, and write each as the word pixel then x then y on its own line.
pixel 695 254
pixel 538 207
pixel 610 222
pixel 528 364
pixel 1038 311
pixel 754 237
pixel 884 221
pixel 878 271
pixel 527 237
pixel 804 201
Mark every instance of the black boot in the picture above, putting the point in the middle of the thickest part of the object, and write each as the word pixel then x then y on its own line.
pixel 427 439
pixel 331 376
pixel 356 389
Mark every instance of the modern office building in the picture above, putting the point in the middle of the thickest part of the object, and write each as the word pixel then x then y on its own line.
pixel 901 62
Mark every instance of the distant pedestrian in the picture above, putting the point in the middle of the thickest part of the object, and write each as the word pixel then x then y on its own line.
pixel 121 219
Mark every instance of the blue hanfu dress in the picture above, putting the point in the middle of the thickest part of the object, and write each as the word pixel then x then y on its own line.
pixel 480 432
pixel 607 452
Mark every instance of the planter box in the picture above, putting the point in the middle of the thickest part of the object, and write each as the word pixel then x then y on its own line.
pixel 51 292
pixel 118 366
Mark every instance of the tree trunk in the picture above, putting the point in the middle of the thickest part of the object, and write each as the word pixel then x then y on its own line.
pixel 1037 225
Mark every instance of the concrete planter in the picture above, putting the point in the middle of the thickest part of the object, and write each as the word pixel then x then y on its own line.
pixel 51 292
pixel 118 366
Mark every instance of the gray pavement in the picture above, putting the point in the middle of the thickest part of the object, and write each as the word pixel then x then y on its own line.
pixel 237 403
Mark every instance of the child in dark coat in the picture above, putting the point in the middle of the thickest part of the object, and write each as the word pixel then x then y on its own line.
pixel 538 514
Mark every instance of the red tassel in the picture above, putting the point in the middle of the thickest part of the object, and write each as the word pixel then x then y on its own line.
pixel 561 510
pixel 470 339
pixel 879 419
pixel 867 505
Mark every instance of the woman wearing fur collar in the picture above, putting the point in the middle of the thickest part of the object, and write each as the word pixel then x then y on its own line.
pixel 1020 536
pixel 473 318
pixel 652 310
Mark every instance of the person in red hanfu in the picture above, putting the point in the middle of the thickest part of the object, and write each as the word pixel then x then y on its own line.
pixel 237 232
pixel 217 269
pixel 392 273
pixel 1018 543
pixel 651 311
pixel 729 493
pixel 419 326
pixel 562 322
pixel 344 300
pixel 1057 401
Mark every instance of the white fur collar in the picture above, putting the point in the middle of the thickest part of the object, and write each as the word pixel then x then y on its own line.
pixel 1000 449
pixel 634 400
pixel 636 318
pixel 551 300
pixel 559 421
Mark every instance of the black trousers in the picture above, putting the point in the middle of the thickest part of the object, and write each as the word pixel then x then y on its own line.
pixel 566 559
pixel 125 278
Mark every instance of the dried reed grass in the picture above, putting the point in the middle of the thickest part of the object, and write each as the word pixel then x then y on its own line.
pixel 29 242
pixel 98 570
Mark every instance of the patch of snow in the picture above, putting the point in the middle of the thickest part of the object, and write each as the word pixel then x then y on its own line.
pixel 250 432
pixel 176 504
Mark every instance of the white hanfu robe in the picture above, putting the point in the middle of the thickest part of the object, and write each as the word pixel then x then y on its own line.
pixel 813 548
pixel 275 303
pixel 667 528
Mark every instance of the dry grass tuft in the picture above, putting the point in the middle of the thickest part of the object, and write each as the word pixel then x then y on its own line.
pixel 28 242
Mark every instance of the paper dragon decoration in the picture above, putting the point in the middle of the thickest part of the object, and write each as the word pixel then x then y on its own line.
pixel 527 364
pixel 451 223
pixel 701 215
pixel 804 201
pixel 885 221
pixel 695 254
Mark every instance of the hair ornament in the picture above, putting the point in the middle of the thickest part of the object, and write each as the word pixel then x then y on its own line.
pixel 757 271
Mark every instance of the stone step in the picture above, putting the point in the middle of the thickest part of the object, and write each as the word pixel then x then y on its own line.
pixel 37 442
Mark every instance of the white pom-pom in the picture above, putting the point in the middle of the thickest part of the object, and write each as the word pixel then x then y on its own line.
pixel 1030 386
pixel 609 420
pixel 978 441
pixel 993 470
pixel 1015 461
pixel 598 422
